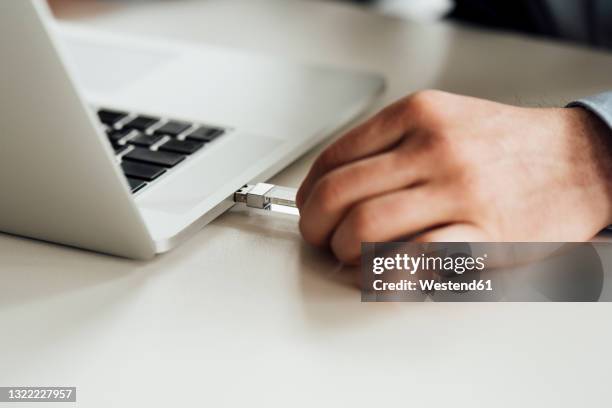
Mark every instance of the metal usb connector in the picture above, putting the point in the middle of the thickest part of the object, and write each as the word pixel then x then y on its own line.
pixel 269 197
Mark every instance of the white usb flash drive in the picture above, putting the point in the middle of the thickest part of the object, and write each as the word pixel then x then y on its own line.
pixel 269 197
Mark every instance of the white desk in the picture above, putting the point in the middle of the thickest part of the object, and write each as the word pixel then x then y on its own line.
pixel 244 314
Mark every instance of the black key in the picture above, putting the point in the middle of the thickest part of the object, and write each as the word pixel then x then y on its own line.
pixel 136 185
pixel 181 146
pixel 110 117
pixel 145 140
pixel 116 135
pixel 205 134
pixel 165 159
pixel 173 128
pixel 120 149
pixel 142 123
pixel 141 171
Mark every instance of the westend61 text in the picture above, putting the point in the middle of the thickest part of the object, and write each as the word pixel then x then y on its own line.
pixel 429 285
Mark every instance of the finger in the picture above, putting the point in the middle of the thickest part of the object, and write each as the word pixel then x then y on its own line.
pixel 344 187
pixel 392 216
pixel 374 136
pixel 460 232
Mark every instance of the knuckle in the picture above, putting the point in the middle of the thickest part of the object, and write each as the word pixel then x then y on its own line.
pixel 438 137
pixel 311 230
pixel 302 224
pixel 344 256
pixel 423 101
pixel 363 222
pixel 425 95
pixel 436 146
pixel 329 157
pixel 328 193
pixel 392 112
pixel 345 248
pixel 427 109
pixel 300 198
pixel 307 233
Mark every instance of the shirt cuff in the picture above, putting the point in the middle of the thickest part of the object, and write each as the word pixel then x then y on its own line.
pixel 600 105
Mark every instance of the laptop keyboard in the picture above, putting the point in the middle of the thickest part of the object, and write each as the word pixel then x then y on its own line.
pixel 148 147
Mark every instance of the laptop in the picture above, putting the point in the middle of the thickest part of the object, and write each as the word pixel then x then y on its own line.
pixel 127 146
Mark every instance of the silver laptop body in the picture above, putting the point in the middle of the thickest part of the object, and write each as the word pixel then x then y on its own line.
pixel 61 177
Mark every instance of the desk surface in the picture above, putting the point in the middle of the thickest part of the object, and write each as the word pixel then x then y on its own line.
pixel 245 314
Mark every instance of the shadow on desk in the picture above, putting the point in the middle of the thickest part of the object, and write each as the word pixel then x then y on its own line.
pixel 33 271
pixel 329 291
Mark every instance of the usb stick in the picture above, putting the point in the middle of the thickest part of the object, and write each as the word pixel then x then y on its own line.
pixel 269 197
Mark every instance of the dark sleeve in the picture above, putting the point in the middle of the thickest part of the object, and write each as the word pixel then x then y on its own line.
pixel 600 105
pixel 530 16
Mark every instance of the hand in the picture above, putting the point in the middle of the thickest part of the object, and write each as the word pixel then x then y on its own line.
pixel 442 167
